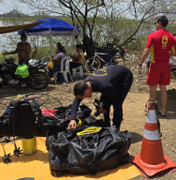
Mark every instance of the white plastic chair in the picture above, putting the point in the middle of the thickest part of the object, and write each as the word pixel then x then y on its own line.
pixel 78 71
pixel 46 59
pixel 66 61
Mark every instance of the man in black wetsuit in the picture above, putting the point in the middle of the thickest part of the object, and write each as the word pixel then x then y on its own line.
pixel 113 82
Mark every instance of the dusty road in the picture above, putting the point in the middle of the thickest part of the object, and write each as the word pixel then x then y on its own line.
pixel 134 115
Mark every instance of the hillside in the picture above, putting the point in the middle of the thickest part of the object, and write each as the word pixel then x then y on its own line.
pixel 13 13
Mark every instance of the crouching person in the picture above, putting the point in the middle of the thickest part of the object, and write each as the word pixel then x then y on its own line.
pixel 113 82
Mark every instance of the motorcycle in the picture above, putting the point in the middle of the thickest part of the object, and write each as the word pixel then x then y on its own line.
pixel 124 54
pixel 38 75
pixel 127 54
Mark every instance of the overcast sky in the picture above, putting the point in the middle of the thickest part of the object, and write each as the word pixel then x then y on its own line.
pixel 8 5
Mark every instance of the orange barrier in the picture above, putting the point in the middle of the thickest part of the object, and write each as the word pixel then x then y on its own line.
pixel 152 161
pixel 37 166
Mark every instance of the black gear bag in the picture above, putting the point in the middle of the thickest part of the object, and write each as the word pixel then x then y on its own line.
pixel 24 118
pixel 90 153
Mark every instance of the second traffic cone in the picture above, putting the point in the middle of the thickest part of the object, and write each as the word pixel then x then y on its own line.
pixel 152 161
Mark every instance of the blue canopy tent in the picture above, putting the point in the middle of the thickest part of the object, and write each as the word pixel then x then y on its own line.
pixel 52 27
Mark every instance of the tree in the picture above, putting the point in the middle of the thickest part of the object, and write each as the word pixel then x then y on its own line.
pixel 83 13
pixel 121 17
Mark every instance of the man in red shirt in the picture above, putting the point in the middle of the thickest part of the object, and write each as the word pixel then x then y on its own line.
pixel 162 45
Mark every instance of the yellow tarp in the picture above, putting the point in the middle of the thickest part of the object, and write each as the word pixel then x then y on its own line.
pixel 7 29
pixel 37 166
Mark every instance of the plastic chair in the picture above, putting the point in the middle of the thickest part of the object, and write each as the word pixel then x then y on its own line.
pixel 66 61
pixel 78 71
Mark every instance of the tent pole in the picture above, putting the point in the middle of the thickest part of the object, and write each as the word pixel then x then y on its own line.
pixel 51 45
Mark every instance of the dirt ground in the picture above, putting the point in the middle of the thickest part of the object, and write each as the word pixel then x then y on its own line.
pixel 134 115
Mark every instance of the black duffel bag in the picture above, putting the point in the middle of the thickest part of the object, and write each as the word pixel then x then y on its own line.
pixel 90 153
pixel 60 119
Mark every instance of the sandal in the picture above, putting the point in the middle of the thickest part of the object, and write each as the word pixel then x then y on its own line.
pixel 145 109
pixel 4 102
pixel 161 114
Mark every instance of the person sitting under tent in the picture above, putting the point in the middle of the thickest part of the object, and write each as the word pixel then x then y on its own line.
pixel 77 58
pixel 57 61
pixel 58 45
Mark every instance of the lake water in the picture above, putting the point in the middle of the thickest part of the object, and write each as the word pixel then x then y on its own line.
pixel 6 40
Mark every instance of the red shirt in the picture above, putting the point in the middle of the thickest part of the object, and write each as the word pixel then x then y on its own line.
pixel 161 42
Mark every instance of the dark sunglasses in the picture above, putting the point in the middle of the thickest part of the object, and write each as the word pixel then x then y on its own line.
pixel 155 22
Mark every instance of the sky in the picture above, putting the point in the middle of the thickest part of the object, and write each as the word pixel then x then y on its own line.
pixel 8 5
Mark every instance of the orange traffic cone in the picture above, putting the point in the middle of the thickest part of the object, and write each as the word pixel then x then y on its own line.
pixel 152 161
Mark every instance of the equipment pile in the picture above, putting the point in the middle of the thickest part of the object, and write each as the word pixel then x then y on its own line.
pixel 87 150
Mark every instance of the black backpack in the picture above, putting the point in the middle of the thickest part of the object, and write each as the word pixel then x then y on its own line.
pixel 21 118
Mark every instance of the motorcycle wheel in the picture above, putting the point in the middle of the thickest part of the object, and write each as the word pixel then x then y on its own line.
pixel 128 55
pixel 115 60
pixel 92 66
pixel 38 80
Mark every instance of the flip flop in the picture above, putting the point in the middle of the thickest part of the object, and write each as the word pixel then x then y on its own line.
pixel 161 114
pixel 145 109
pixel 4 102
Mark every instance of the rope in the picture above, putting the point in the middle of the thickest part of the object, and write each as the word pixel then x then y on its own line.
pixel 89 130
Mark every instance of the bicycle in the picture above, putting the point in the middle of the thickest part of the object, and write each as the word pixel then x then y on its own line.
pixel 96 62
pixel 112 56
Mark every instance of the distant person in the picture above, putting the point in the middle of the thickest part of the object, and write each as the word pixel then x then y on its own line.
pixel 162 45
pixel 57 50
pixel 57 61
pixel 173 59
pixel 11 60
pixel 77 58
pixel 113 82
pixel 23 49
pixel 58 45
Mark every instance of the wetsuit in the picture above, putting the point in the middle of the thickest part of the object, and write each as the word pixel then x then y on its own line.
pixel 113 82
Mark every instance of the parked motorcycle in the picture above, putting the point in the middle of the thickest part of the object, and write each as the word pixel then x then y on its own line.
pixel 127 54
pixel 123 54
pixel 38 76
